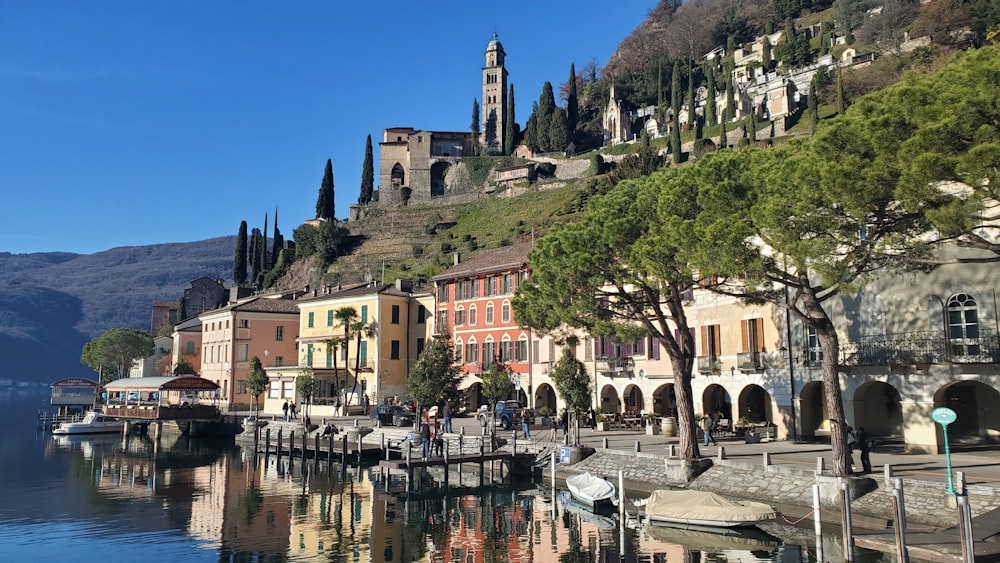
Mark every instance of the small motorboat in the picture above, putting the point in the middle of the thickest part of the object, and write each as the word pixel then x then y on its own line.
pixel 586 515
pixel 592 491
pixel 714 540
pixel 704 509
pixel 92 423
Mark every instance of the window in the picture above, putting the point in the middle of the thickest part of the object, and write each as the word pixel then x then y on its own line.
pixel 472 315
pixel 466 289
pixel 394 350
pixel 475 288
pixel 963 325
pixel 364 313
pixel 506 351
pixel 489 313
pixel 242 352
pixel 534 350
pixel 489 354
pixel 421 314
pixel 588 349
pixel 443 293
pixel 505 312
pixel 279 333
pixel 753 334
pixel 812 344
pixel 329 318
pixel 521 352
pixel 552 351
pixel 363 354
pixel 279 361
pixel 329 356
pixel 241 386
pixel 309 323
pixel 442 320
pixel 189 349
pixel 471 353
pixel 420 346
pixel 395 314
pixel 244 323
pixel 491 286
pixel 458 352
pixel 309 355
pixel 711 343
pixel 274 390
pixel 508 284
pixel 653 348
pixel 459 317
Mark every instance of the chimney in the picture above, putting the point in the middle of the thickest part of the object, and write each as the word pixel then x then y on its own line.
pixel 458 259
pixel 404 285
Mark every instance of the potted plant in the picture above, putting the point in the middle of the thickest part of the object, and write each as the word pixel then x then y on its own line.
pixel 652 428
pixel 602 423
pixel 546 414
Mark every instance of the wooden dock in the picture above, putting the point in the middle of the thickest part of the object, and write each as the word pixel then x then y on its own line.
pixel 942 545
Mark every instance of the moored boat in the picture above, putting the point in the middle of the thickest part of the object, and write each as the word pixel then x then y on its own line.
pixel 701 508
pixel 592 491
pixel 92 423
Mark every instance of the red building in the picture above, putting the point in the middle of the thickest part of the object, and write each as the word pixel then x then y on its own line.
pixel 473 307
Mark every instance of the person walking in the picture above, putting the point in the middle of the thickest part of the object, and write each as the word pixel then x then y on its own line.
pixel 525 428
pixel 291 411
pixel 367 404
pixel 425 439
pixel 446 414
pixel 565 425
pixel 554 428
pixel 591 418
pixel 284 411
pixel 865 443
pixel 708 427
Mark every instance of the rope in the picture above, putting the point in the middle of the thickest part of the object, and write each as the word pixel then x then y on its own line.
pixel 787 521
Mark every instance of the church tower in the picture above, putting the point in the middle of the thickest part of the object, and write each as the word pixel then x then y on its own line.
pixel 494 103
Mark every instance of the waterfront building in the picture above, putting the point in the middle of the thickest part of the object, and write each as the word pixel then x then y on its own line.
pixel 473 310
pixel 265 326
pixel 159 363
pixel 388 326
pixel 186 344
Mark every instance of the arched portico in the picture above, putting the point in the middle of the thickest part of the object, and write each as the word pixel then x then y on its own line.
pixel 545 396
pixel 665 401
pixel 609 399
pixel 978 408
pixel 474 397
pixel 877 408
pixel 634 401
pixel 438 172
pixel 398 176
pixel 755 405
pixel 813 411
pixel 716 399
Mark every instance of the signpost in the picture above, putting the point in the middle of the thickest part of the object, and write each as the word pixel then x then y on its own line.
pixel 945 416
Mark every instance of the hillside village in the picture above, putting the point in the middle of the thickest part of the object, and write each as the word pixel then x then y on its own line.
pixel 908 343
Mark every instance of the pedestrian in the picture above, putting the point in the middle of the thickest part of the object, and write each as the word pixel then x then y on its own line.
pixel 865 443
pixel 425 439
pixel 284 411
pixel 446 414
pixel 553 429
pixel 852 443
pixel 591 418
pixel 367 403
pixel 708 427
pixel 524 427
pixel 336 406
pixel 291 410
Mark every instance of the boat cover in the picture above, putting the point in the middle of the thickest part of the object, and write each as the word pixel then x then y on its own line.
pixel 590 487
pixel 742 539
pixel 702 505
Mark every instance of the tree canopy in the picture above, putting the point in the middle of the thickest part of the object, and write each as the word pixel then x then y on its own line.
pixel 497 382
pixel 112 353
pixel 257 382
pixel 434 378
pixel 572 381
pixel 326 206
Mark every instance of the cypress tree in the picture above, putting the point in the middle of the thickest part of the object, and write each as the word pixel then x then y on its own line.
pixel 558 131
pixel 572 105
pixel 812 107
pixel 543 120
pixel 766 54
pixel 531 129
pixel 659 88
pixel 278 241
pixel 710 117
pixel 240 259
pixel 264 265
pixel 690 96
pixel 841 96
pixel 255 251
pixel 367 179
pixel 730 112
pixel 182 308
pixel 753 128
pixel 675 120
pixel 722 136
pixel 325 204
pixel 474 127
pixel 510 133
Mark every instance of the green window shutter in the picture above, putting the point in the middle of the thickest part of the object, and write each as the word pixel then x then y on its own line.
pixel 309 351
pixel 311 317
pixel 363 354
pixel 364 313
pixel 329 318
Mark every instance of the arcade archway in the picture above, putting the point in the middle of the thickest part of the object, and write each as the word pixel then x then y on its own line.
pixel 877 408
pixel 634 401
pixel 978 409
pixel 716 399
pixel 474 397
pixel 438 171
pixel 813 410
pixel 609 399
pixel 545 396
pixel 665 401
pixel 755 404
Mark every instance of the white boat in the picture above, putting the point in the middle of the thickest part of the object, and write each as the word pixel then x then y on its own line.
pixel 92 423
pixel 700 508
pixel 591 491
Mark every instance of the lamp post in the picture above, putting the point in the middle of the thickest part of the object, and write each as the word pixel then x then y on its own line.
pixel 945 416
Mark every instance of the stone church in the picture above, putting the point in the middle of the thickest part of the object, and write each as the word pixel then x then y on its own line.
pixel 413 163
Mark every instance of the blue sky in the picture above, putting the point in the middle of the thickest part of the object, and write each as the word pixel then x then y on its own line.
pixel 131 123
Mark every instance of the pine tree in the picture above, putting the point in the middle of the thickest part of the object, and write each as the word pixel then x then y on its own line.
pixel 367 177
pixel 675 120
pixel 572 105
pixel 474 127
pixel 325 204
pixel 510 134
pixel 710 117
pixel 240 259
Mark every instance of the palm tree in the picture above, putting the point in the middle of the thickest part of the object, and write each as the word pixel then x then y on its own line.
pixel 348 317
pixel 366 330
pixel 332 344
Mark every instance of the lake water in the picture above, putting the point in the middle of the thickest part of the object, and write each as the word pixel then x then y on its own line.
pixel 108 498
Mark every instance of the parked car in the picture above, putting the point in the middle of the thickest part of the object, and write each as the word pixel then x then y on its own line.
pixel 504 414
pixel 392 415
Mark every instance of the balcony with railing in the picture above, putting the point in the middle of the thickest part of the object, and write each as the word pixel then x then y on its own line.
pixel 615 366
pixel 749 361
pixel 925 347
pixel 708 365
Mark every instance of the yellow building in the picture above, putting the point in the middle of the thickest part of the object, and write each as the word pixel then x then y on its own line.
pixel 360 341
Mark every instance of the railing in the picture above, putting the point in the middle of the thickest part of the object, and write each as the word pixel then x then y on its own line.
pixel 708 364
pixel 912 348
pixel 748 361
pixel 615 365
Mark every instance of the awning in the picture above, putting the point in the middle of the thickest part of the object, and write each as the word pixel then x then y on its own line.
pixel 162 383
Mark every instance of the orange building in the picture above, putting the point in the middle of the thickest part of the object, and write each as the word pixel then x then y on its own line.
pixel 473 307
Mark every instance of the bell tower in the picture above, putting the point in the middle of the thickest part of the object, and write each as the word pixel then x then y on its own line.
pixel 494 103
